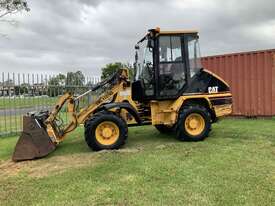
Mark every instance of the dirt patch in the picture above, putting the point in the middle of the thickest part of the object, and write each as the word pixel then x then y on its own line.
pixel 129 150
pixel 55 164
pixel 165 146
pixel 124 150
pixel 49 166
pixel 128 178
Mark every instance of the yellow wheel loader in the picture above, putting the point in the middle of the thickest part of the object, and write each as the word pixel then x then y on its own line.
pixel 170 91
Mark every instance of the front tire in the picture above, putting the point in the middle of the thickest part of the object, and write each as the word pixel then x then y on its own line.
pixel 105 130
pixel 193 124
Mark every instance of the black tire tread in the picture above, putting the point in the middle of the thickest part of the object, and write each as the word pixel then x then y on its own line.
pixel 97 118
pixel 184 112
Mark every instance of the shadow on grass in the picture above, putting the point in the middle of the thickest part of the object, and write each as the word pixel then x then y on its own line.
pixel 224 132
pixel 138 137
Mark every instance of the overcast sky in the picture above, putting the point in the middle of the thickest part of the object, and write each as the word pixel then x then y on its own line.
pixel 66 35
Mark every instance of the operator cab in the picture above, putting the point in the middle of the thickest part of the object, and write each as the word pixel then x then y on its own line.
pixel 165 63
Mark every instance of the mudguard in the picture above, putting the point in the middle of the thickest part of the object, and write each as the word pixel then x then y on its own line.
pixel 122 105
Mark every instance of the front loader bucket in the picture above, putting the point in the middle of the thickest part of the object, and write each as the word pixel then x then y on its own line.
pixel 34 141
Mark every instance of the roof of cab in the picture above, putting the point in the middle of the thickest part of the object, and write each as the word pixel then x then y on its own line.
pixel 158 30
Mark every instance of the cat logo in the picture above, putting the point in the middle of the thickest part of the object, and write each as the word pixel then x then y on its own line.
pixel 213 89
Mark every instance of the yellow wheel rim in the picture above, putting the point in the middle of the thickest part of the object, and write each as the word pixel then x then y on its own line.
pixel 107 133
pixel 194 124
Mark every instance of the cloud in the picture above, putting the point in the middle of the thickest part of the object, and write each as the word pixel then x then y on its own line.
pixel 60 36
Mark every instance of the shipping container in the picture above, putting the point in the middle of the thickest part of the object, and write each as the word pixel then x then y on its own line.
pixel 251 76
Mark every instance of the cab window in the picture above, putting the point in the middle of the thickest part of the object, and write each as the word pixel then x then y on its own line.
pixel 171 65
pixel 194 55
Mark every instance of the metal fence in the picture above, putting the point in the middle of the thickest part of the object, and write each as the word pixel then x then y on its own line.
pixel 23 93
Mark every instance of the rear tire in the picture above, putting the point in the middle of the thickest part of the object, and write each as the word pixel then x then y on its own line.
pixel 164 129
pixel 105 130
pixel 194 123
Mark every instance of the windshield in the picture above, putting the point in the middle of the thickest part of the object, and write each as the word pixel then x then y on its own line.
pixel 144 61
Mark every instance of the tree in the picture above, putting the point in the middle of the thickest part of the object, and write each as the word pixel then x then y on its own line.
pixel 75 79
pixel 75 82
pixel 12 6
pixel 22 89
pixel 111 68
pixel 71 82
pixel 58 80
pixel 55 84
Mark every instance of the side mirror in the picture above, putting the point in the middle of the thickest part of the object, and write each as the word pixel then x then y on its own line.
pixel 137 47
pixel 136 56
pixel 150 43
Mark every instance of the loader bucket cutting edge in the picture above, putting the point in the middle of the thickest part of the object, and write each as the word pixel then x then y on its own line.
pixel 34 141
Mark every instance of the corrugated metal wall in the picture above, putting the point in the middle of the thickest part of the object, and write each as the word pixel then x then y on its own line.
pixel 251 76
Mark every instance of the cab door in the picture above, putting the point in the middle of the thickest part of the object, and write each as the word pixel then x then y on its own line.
pixel 171 68
pixel 143 87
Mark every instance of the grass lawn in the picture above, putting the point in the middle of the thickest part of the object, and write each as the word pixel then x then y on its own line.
pixel 234 166
pixel 10 124
pixel 16 102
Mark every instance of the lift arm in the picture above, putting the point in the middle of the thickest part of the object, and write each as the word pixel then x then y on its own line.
pixel 113 85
